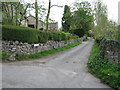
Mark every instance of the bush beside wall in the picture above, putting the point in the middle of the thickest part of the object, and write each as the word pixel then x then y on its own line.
pixel 30 35
pixel 22 34
pixel 106 70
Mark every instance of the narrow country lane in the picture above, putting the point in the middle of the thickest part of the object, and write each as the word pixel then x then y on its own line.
pixel 66 69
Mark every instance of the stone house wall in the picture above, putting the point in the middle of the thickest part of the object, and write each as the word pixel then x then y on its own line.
pixel 32 21
pixel 53 26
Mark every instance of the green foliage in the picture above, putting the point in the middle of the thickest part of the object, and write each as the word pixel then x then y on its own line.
pixel 20 57
pixel 55 36
pixel 104 69
pixel 13 13
pixel 42 36
pixel 104 27
pixel 66 20
pixel 47 52
pixel 23 34
pixel 82 18
pixel 30 35
pixel 79 32
pixel 61 36
pixel 80 21
pixel 4 55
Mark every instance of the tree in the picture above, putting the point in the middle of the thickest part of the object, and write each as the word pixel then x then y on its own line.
pixel 48 14
pixel 101 19
pixel 14 12
pixel 40 12
pixel 36 13
pixel 9 11
pixel 82 18
pixel 66 20
pixel 104 27
pixel 23 12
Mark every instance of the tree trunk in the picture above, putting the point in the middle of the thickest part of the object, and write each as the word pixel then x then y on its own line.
pixel 118 32
pixel 11 13
pixel 48 14
pixel 36 14
pixel 16 18
pixel 8 12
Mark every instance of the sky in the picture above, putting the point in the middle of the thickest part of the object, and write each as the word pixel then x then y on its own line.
pixel 57 13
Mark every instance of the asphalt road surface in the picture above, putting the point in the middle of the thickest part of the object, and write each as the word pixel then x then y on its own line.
pixel 66 69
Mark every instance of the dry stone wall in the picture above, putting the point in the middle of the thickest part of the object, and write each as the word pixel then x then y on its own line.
pixel 110 49
pixel 25 48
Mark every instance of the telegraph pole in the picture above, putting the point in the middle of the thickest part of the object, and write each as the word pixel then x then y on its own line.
pixel 119 21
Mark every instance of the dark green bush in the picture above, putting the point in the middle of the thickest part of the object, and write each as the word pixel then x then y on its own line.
pixel 55 36
pixel 99 39
pixel 68 36
pixel 50 36
pixel 43 36
pixel 79 32
pixel 61 36
pixel 64 36
pixel 30 35
pixel 23 34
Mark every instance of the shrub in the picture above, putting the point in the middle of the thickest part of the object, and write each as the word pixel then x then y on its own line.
pixel 23 34
pixel 99 39
pixel 68 36
pixel 42 36
pixel 61 36
pixel 4 55
pixel 30 35
pixel 79 32
pixel 56 36
pixel 64 36
pixel 104 69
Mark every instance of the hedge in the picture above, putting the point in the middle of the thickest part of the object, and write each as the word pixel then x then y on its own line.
pixel 30 35
pixel 42 36
pixel 23 34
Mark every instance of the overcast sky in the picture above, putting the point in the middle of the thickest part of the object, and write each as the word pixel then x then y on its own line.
pixel 57 13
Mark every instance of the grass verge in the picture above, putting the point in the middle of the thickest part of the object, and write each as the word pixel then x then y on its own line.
pixel 4 55
pixel 104 69
pixel 20 57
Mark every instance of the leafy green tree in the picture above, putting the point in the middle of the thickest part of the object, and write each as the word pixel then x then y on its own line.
pixel 40 12
pixel 66 20
pixel 101 19
pixel 104 27
pixel 82 19
pixel 13 12
pixel 23 12
pixel 9 12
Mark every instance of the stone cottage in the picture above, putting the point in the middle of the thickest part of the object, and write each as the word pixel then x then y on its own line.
pixel 31 22
pixel 53 26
